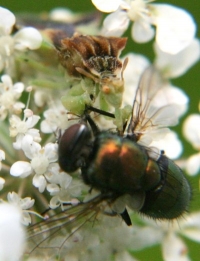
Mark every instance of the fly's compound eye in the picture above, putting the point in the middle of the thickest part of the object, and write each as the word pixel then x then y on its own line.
pixel 74 147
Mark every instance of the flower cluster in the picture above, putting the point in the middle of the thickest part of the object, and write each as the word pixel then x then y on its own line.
pixel 48 79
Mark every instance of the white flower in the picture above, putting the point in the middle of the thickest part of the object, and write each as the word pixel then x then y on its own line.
pixel 168 102
pixel 55 118
pixel 63 189
pixel 22 203
pixel 9 94
pixel 12 235
pixel 41 159
pixel 25 38
pixel 173 246
pixel 175 28
pixel 132 73
pixel 175 65
pixel 20 128
pixel 41 98
pixel 62 15
pixel 107 6
pixel 7 20
pixel 170 94
pixel 134 69
pixel 171 145
pixel 61 186
pixel 192 164
pixel 191 130
pixel 168 234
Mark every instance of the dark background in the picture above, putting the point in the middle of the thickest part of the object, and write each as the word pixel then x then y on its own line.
pixel 189 83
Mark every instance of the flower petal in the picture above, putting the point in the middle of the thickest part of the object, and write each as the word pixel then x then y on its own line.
pixel 145 236
pixel 28 37
pixel 106 6
pixel 170 94
pixel 193 234
pixel 191 130
pixel 51 151
pixel 132 73
pixel 7 20
pixel 18 87
pixel 30 147
pixel 192 165
pixel 115 24
pixel 192 220
pixel 170 144
pixel 7 81
pixel 174 249
pixel 175 65
pixel 32 121
pixel 21 168
pixel 2 155
pixel 142 31
pixel 53 189
pixel 175 28
pixel 27 203
pixel 12 235
pixel 26 219
pixel 54 202
pixel 39 182
pixel 13 198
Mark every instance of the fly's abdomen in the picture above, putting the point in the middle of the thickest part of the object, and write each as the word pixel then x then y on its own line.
pixel 171 197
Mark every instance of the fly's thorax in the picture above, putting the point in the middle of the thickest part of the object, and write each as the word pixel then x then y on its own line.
pixel 117 164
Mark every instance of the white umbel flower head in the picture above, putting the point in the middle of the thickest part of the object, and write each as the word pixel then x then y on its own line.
pixel 175 27
pixel 12 235
pixel 175 65
pixel 7 20
pixel 19 128
pixel 55 118
pixel 41 159
pixel 170 235
pixel 9 95
pixel 22 203
pixel 25 38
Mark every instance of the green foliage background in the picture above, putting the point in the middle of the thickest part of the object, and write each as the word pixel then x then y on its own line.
pixel 190 83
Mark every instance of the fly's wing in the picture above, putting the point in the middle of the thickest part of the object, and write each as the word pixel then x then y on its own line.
pixel 152 108
pixel 57 234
